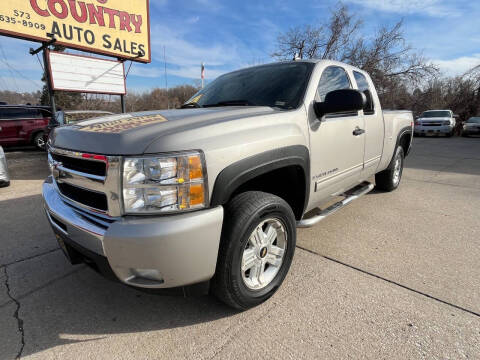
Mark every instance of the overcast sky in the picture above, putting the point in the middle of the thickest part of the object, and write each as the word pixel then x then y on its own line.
pixel 228 35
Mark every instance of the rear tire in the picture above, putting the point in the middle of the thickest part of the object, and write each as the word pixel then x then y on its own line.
pixel 390 178
pixel 256 250
pixel 38 141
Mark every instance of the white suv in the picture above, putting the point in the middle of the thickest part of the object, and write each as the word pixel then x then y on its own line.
pixel 435 122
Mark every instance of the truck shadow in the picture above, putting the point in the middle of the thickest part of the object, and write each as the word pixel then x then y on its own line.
pixel 62 304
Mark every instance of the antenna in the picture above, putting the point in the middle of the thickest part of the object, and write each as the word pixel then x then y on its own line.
pixel 166 78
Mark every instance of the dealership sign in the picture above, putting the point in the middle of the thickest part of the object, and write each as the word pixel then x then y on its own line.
pixel 86 74
pixel 119 28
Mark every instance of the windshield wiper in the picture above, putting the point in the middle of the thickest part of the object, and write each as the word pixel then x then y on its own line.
pixel 231 103
pixel 191 105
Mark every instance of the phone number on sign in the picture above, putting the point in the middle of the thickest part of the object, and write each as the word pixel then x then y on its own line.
pixel 21 18
pixel 15 21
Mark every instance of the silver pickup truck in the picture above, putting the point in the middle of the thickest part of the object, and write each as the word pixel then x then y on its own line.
pixel 208 197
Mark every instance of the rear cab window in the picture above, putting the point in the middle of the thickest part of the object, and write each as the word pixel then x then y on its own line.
pixel 363 86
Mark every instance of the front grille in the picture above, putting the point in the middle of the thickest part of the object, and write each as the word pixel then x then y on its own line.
pixel 432 124
pixel 97 168
pixel 86 197
pixel 93 186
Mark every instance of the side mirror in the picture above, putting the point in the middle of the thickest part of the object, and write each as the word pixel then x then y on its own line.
pixel 337 101
pixel 455 116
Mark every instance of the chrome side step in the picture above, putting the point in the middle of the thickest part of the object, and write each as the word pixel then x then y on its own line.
pixel 354 194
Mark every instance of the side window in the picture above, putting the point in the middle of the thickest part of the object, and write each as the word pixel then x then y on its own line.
pixel 13 114
pixel 363 86
pixel 33 114
pixel 333 78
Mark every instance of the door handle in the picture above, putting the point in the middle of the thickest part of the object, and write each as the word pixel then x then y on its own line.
pixel 358 131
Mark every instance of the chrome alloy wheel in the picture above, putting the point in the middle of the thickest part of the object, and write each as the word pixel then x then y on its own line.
pixel 397 170
pixel 263 254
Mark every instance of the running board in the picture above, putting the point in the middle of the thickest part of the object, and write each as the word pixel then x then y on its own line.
pixel 354 194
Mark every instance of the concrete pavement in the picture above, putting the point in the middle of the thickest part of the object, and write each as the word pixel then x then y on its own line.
pixel 391 276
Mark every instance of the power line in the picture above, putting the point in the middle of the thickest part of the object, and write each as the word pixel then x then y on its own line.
pixel 12 70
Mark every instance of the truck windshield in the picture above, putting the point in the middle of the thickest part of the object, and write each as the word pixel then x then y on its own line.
pixel 279 85
pixel 435 114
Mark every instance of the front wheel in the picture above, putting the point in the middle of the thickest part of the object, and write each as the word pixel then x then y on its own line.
pixel 256 249
pixel 389 179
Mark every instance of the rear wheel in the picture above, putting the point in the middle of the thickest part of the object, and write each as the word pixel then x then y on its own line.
pixel 38 141
pixel 256 250
pixel 389 179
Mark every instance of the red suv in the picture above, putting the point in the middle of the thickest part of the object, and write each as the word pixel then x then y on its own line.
pixel 23 125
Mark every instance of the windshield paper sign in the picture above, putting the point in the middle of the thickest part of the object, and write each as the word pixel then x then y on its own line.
pixel 119 28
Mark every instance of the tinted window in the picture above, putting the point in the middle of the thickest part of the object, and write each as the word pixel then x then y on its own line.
pixel 474 120
pixel 364 87
pixel 19 113
pixel 279 85
pixel 434 114
pixel 333 78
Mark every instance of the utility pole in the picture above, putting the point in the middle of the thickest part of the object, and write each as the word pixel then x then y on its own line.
pixel 166 78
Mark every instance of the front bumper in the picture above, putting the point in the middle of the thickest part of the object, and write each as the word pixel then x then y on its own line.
pixel 147 252
pixel 430 130
pixel 471 131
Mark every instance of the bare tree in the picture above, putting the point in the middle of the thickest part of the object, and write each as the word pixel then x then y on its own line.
pixel 395 67
pixel 325 41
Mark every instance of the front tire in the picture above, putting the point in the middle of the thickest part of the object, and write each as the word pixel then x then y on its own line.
pixel 389 179
pixel 256 250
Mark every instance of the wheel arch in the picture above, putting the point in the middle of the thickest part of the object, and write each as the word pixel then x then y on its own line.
pixel 284 172
pixel 404 139
pixel 34 133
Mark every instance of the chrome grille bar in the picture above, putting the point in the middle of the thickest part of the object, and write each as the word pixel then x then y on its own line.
pixel 109 185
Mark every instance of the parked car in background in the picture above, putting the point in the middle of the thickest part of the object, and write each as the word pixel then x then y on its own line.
pixel 471 127
pixel 436 122
pixel 23 125
pixel 70 117
pixel 4 179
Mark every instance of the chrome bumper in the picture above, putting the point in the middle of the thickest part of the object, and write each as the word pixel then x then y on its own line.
pixel 443 129
pixel 148 252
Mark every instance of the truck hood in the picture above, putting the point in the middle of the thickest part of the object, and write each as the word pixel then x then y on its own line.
pixel 131 134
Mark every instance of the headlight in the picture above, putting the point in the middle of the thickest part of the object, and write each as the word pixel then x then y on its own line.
pixel 446 123
pixel 160 184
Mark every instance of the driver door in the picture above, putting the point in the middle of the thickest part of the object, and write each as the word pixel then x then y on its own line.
pixel 336 141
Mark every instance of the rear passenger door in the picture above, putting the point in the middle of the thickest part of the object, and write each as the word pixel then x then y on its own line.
pixel 374 126
pixel 336 150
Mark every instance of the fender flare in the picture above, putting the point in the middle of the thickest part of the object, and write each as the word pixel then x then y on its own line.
pixel 405 131
pixel 247 169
